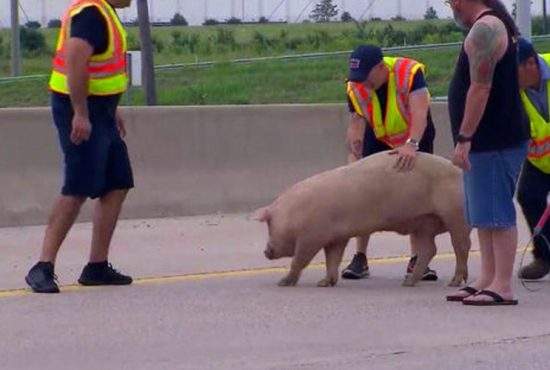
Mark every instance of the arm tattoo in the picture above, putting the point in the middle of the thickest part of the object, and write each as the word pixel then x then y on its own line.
pixel 483 52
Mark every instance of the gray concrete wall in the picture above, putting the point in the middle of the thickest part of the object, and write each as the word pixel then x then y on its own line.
pixel 187 160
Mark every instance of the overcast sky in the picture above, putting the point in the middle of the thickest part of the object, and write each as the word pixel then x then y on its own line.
pixel 195 10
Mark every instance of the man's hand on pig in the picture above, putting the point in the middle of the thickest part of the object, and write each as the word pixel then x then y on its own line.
pixel 406 157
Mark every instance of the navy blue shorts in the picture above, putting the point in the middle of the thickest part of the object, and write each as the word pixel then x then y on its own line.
pixel 99 165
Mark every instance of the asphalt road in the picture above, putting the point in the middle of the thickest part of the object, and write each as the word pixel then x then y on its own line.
pixel 206 299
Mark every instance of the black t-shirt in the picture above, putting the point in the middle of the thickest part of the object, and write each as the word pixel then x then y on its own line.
pixel 372 145
pixel 90 25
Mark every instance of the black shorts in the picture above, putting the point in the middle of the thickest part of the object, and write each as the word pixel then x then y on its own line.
pixel 371 145
pixel 99 165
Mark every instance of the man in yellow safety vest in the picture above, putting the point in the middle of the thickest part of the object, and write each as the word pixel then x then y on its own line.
pixel 389 104
pixel 534 183
pixel 88 78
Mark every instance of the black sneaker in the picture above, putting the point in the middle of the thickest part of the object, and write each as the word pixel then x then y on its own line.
pixel 41 278
pixel 102 273
pixel 358 268
pixel 429 274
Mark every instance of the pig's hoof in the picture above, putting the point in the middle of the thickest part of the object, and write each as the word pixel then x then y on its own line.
pixel 326 282
pixel 454 283
pixel 457 281
pixel 287 281
pixel 408 282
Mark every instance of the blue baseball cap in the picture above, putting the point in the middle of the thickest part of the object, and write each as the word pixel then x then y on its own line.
pixel 526 50
pixel 363 59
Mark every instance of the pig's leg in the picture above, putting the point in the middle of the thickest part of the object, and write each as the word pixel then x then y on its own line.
pixel 460 238
pixel 425 246
pixel 333 256
pixel 302 257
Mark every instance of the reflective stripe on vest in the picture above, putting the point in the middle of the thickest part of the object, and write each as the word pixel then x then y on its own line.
pixel 394 130
pixel 539 146
pixel 107 71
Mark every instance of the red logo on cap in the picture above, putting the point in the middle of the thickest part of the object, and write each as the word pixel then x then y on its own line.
pixel 354 63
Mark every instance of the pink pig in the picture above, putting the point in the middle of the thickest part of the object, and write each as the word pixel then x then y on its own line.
pixel 326 210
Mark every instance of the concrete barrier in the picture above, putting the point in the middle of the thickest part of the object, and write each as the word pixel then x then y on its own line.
pixel 187 160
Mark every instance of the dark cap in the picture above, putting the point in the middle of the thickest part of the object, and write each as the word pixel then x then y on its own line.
pixel 363 59
pixel 525 50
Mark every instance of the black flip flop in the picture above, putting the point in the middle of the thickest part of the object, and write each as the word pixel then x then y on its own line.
pixel 497 300
pixel 468 289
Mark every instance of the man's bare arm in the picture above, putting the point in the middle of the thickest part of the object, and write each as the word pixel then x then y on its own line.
pixel 78 54
pixel 485 46
pixel 355 136
pixel 419 102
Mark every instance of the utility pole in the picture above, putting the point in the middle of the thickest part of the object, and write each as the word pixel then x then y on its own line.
pixel 288 11
pixel 261 10
pixel 544 16
pixel 152 14
pixel 399 9
pixel 15 39
pixel 242 10
pixel 233 9
pixel 147 53
pixel 44 14
pixel 523 17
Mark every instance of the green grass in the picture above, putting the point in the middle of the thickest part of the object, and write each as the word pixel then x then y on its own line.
pixel 298 81
pixel 224 43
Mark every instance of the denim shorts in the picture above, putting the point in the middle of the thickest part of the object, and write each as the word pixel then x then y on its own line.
pixel 490 186
pixel 100 164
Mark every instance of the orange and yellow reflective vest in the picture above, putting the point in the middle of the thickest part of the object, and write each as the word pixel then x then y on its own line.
pixel 539 146
pixel 394 130
pixel 107 71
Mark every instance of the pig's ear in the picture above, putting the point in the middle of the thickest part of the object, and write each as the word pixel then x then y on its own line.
pixel 262 215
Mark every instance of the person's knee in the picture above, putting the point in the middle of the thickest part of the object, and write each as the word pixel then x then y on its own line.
pixel 71 201
pixel 118 195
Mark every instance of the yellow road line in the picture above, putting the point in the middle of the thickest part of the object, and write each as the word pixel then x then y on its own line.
pixel 222 274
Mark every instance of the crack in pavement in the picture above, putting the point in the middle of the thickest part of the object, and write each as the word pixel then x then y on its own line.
pixel 354 358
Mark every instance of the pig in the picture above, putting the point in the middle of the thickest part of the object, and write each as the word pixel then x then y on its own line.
pixel 370 195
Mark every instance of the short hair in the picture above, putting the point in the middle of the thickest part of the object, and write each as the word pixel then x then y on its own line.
pixel 526 50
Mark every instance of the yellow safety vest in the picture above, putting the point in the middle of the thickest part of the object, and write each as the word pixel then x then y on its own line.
pixel 107 71
pixel 395 129
pixel 539 146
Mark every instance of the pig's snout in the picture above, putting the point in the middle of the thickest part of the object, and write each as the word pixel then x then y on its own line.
pixel 269 252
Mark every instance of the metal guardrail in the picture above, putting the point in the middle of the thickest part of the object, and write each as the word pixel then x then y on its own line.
pixel 21 78
pixel 303 56
pixel 207 64
pixel 319 55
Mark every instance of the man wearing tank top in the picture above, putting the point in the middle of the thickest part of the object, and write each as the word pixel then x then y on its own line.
pixel 491 142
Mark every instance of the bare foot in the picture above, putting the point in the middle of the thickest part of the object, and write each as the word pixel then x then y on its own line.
pixel 327 282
